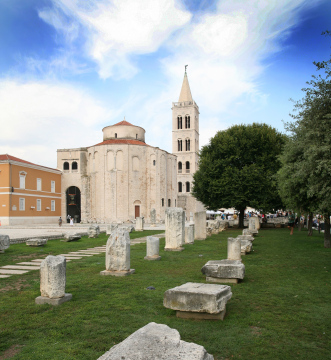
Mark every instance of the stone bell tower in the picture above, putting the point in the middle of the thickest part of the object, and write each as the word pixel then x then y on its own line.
pixel 185 145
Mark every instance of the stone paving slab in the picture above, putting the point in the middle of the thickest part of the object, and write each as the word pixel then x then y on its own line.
pixel 89 252
pixel 20 267
pixel 79 254
pixel 38 260
pixel 69 257
pixel 4 276
pixel 28 263
pixel 12 272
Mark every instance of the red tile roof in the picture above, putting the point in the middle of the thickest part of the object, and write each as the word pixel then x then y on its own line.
pixel 7 157
pixel 122 141
pixel 123 122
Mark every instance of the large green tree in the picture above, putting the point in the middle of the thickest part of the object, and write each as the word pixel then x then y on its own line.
pixel 237 169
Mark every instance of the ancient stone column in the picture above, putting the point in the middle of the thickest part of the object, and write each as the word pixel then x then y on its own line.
pixel 118 254
pixel 152 248
pixel 93 231
pixel 139 224
pixel 200 225
pixel 153 217
pixel 234 249
pixel 4 243
pixel 53 281
pixel 174 229
pixel 189 234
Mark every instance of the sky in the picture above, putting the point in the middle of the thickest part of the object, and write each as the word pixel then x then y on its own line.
pixel 68 68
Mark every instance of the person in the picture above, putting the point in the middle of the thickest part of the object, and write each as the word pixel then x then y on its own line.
pixel 71 221
pixel 68 218
pixel 60 221
pixel 291 220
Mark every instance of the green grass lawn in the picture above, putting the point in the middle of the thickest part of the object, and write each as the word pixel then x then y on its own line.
pixel 281 310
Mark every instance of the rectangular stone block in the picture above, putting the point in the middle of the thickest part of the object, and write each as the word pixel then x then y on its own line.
pixel 196 297
pixel 152 248
pixel 224 269
pixel 41 300
pixel 175 229
pixel 53 277
pixel 189 234
pixel 200 221
pixel 118 251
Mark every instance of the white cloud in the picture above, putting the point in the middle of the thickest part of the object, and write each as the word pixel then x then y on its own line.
pixel 116 30
pixel 42 117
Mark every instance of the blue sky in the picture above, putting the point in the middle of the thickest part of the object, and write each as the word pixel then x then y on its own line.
pixel 70 67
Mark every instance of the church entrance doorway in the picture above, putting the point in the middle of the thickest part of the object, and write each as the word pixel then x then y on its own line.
pixel 73 203
pixel 136 211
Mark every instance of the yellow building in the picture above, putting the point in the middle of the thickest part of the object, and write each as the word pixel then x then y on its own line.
pixel 29 193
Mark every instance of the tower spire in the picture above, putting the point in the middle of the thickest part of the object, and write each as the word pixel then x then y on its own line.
pixel 185 93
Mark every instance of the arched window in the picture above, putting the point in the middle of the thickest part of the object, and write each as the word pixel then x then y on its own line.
pixel 66 165
pixel 154 162
pixel 179 122
pixel 187 187
pixel 187 145
pixel 169 202
pixel 187 122
pixel 136 136
pixel 180 145
pixel 180 187
pixel 187 166
pixel 74 165
pixel 115 135
pixel 180 166
pixel 162 201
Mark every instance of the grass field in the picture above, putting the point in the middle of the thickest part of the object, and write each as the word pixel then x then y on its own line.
pixel 281 310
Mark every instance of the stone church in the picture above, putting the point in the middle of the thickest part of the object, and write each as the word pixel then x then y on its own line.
pixel 122 177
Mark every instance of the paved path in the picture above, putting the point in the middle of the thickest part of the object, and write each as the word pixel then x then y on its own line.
pixel 26 266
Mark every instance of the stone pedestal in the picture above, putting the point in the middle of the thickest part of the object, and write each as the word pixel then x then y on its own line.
pixel 4 243
pixel 246 237
pixel 174 229
pixel 118 254
pixel 193 298
pixel 254 223
pixel 153 217
pixel 71 237
pixel 36 242
pixel 111 228
pixel 139 224
pixel 224 271
pixel 189 234
pixel 53 281
pixel 246 246
pixel 234 249
pixel 93 231
pixel 200 225
pixel 156 342
pixel 152 248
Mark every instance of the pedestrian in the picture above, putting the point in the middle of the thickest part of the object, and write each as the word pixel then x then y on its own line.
pixel 60 221
pixel 291 221
pixel 71 221
pixel 68 218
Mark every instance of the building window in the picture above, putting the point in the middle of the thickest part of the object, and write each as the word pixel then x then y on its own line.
pixel 22 179
pixel 136 136
pixel 180 166
pixel 38 184
pixel 169 202
pixel 187 122
pixel 115 135
pixel 74 165
pixel 66 165
pixel 162 201
pixel 175 202
pixel 52 205
pixel 187 187
pixel 53 186
pixel 179 122
pixel 38 204
pixel 153 162
pixel 180 187
pixel 187 144
pixel 22 204
pixel 187 166
pixel 180 145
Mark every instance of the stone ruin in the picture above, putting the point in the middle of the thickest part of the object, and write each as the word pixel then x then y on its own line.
pixel 71 237
pixel 198 301
pixel 53 281
pixel 152 248
pixel 140 224
pixel 174 229
pixel 94 231
pixel 156 342
pixel 118 254
pixel 189 234
pixel 200 225
pixel 36 242
pixel 153 217
pixel 246 243
pixel 4 243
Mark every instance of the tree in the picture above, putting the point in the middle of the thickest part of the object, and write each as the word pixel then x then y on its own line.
pixel 311 138
pixel 238 167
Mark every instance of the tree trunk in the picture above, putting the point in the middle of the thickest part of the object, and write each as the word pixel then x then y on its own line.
pixel 310 224
pixel 299 220
pixel 241 217
pixel 327 242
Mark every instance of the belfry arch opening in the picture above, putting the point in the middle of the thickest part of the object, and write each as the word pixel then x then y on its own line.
pixel 73 203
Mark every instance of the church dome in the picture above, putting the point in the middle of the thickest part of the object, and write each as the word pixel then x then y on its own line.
pixel 123 130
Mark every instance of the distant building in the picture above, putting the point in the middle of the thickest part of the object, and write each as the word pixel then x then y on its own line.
pixel 29 193
pixel 185 145
pixel 119 179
